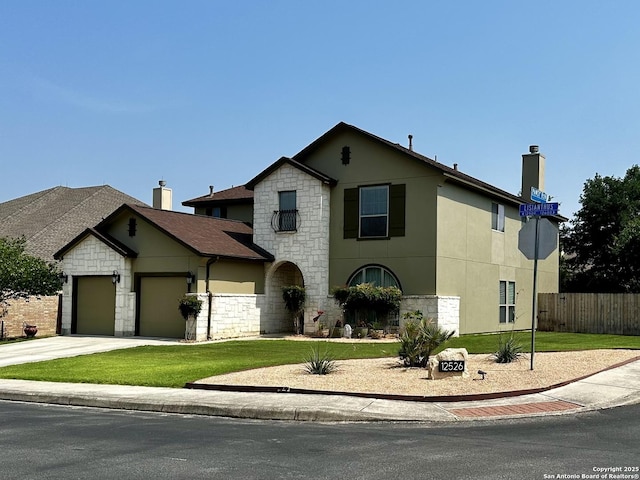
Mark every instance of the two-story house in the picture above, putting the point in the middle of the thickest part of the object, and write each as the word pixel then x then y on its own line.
pixel 349 208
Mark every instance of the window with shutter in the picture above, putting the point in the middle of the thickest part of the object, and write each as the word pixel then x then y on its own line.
pixel 376 211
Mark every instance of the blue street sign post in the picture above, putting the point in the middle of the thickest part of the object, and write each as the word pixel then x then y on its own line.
pixel 538 196
pixel 536 210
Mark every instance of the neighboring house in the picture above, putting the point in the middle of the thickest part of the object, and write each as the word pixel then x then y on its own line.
pixel 349 208
pixel 49 219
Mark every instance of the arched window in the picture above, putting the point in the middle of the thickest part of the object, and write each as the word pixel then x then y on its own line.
pixel 376 274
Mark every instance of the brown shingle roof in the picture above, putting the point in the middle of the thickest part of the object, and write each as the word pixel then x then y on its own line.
pixel 205 236
pixel 52 218
pixel 231 195
pixel 294 163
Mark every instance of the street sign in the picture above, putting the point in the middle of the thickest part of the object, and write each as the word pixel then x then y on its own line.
pixel 538 196
pixel 538 209
pixel 547 239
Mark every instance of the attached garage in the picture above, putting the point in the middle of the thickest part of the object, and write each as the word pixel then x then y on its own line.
pixel 158 314
pixel 94 305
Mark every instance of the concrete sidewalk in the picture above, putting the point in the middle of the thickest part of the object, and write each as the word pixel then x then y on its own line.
pixel 618 386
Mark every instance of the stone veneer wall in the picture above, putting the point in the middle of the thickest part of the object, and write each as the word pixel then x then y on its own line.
pixel 92 257
pixel 39 311
pixel 232 316
pixel 307 248
pixel 445 310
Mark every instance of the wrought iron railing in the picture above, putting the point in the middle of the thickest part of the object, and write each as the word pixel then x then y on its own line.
pixel 285 220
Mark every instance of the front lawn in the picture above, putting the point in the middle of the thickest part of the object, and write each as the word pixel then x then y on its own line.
pixel 173 366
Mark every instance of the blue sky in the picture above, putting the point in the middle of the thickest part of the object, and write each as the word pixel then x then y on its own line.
pixel 202 93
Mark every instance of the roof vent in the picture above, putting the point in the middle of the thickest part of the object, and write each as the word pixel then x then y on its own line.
pixel 533 148
pixel 211 190
pixel 455 167
pixel 411 142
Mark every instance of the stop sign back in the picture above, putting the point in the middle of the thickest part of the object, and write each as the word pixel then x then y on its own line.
pixel 547 239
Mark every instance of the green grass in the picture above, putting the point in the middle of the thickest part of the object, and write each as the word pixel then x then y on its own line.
pixel 173 366
pixel 545 341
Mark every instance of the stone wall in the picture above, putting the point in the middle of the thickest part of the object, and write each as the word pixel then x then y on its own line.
pixel 443 309
pixel 39 311
pixel 92 257
pixel 232 316
pixel 307 247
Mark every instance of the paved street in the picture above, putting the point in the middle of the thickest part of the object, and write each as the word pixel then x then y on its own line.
pixel 56 442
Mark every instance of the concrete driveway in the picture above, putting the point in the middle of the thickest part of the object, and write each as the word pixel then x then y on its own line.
pixel 70 346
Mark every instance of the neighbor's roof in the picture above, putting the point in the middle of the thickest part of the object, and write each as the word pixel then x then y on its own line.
pixel 231 195
pixel 203 235
pixel 452 174
pixel 51 218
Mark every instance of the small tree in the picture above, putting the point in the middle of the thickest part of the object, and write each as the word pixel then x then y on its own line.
pixel 23 275
pixel 419 338
pixel 294 297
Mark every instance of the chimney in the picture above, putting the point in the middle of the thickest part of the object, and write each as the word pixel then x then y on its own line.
pixel 411 142
pixel 162 196
pixel 532 172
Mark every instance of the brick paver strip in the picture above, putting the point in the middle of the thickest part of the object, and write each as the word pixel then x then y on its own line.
pixel 519 409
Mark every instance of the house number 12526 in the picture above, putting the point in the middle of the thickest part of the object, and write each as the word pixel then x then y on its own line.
pixel 451 365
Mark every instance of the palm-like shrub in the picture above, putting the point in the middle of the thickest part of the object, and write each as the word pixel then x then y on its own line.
pixel 419 337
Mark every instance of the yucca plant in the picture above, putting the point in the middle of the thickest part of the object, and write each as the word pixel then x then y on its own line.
pixel 317 364
pixel 419 337
pixel 509 350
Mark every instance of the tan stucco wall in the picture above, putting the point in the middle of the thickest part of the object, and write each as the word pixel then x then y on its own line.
pixel 236 277
pixel 244 213
pixel 412 257
pixel 159 253
pixel 472 259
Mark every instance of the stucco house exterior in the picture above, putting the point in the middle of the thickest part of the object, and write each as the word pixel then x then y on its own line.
pixel 349 208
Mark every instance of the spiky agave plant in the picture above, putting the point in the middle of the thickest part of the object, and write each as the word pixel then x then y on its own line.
pixel 317 364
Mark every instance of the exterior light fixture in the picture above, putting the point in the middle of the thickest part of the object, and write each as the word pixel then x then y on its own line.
pixel 190 277
pixel 63 277
pixel 115 277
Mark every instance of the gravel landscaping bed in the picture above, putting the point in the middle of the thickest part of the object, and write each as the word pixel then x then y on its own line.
pixel 389 376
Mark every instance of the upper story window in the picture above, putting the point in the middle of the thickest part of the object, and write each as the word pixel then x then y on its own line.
pixel 497 217
pixel 285 219
pixel 376 211
pixel 507 302
pixel 217 212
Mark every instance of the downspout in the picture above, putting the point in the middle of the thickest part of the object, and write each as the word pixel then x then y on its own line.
pixel 210 262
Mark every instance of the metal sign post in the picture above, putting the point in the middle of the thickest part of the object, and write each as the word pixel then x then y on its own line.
pixel 535 284
pixel 537 240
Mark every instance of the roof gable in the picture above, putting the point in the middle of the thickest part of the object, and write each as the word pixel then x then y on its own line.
pixel 294 163
pixel 203 235
pixel 110 242
pixel 451 174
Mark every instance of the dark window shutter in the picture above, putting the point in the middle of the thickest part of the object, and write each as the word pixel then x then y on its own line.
pixel 351 214
pixel 397 195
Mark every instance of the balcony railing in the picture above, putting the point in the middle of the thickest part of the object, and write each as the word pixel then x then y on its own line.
pixel 285 220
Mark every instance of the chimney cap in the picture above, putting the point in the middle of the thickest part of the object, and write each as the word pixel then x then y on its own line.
pixel 162 183
pixel 533 149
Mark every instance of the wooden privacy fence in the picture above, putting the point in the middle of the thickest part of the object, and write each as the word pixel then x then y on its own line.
pixel 613 313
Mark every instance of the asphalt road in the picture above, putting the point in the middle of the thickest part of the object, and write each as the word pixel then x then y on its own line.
pixel 39 441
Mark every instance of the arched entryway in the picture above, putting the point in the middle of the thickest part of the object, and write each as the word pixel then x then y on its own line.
pixel 280 319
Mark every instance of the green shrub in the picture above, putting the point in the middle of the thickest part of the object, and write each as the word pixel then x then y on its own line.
pixel 189 305
pixel 418 338
pixel 317 364
pixel 508 351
